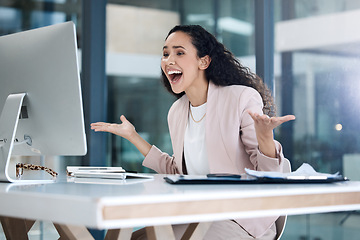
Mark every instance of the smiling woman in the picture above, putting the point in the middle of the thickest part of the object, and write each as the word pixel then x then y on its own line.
pixel 184 70
pixel 218 123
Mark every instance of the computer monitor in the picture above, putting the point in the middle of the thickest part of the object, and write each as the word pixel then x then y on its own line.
pixel 40 96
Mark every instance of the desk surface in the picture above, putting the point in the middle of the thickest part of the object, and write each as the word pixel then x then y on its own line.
pixel 134 202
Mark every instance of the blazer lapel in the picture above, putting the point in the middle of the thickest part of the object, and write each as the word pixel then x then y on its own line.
pixel 178 128
pixel 212 126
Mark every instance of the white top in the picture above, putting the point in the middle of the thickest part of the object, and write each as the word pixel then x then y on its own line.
pixel 195 151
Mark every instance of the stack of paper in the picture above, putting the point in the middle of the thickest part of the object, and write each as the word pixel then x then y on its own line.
pixel 304 172
pixel 96 172
pixel 104 172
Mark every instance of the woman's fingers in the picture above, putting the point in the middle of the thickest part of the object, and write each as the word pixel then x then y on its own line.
pixel 270 120
pixel 125 129
pixel 123 119
pixel 256 117
pixel 97 124
pixel 100 126
pixel 107 127
pixel 286 118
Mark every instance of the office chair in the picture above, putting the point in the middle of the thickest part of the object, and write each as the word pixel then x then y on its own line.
pixel 281 221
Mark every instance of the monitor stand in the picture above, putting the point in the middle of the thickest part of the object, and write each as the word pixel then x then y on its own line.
pixel 9 120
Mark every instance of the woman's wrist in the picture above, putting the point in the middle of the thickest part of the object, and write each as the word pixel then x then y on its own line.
pixel 141 144
pixel 133 136
pixel 269 151
pixel 267 145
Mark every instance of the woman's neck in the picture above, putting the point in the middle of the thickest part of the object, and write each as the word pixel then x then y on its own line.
pixel 198 96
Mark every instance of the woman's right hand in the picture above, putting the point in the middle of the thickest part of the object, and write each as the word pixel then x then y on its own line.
pixel 125 129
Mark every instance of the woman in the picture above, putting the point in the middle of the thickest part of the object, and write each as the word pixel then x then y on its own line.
pixel 216 126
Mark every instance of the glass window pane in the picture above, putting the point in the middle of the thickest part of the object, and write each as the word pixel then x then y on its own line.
pixel 133 67
pixel 145 103
pixel 133 60
pixel 42 18
pixel 232 22
pixel 317 69
pixel 16 16
pixel 323 84
pixel 10 20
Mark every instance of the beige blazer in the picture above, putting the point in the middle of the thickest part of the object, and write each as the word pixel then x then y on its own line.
pixel 230 139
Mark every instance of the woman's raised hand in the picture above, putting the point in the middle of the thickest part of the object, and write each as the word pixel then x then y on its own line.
pixel 125 129
pixel 264 123
pixel 264 126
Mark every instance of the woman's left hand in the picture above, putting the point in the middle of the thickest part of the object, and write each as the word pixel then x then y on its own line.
pixel 264 126
pixel 264 123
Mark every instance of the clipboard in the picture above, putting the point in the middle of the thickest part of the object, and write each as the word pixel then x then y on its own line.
pixel 247 179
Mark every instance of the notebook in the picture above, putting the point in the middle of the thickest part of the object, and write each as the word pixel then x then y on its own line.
pixel 103 173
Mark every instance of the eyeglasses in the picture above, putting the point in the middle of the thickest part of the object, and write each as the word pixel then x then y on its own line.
pixel 20 167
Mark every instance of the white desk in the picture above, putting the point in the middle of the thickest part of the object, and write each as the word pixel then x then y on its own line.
pixel 155 202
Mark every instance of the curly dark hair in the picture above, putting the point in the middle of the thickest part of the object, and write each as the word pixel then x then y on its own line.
pixel 224 68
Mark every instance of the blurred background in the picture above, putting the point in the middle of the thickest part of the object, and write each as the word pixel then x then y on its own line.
pixel 314 61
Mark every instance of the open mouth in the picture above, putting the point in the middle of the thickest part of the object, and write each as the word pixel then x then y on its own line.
pixel 174 75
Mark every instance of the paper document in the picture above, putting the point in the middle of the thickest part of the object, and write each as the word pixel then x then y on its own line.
pixel 305 171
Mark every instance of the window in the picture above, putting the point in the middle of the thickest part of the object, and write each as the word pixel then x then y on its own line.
pixel 317 79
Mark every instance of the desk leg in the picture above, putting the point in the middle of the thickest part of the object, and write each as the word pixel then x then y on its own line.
pixel 16 228
pixel 160 232
pixel 196 231
pixel 70 232
pixel 119 234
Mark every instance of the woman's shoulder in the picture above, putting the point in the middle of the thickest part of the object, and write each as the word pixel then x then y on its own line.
pixel 238 91
pixel 180 103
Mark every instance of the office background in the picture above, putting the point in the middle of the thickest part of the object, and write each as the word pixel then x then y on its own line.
pixel 306 50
